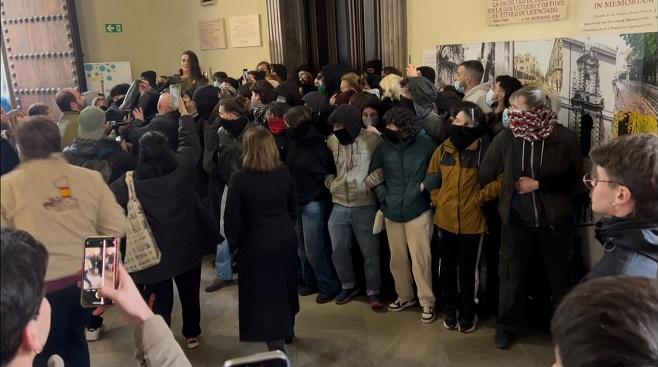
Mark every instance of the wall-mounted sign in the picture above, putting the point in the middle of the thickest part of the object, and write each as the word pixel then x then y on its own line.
pixel 113 28
pixel 628 16
pixel 500 12
pixel 245 31
pixel 212 34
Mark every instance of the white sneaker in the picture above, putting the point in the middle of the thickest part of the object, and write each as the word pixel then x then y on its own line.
pixel 428 315
pixel 94 334
pixel 192 343
pixel 400 305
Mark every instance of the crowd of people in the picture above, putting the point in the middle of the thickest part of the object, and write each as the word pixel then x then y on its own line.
pixel 457 186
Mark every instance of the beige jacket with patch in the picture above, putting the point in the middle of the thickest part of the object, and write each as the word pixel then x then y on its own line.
pixel 60 205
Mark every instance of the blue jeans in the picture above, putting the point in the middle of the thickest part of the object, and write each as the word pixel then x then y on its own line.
pixel 315 248
pixel 342 223
pixel 67 329
pixel 223 262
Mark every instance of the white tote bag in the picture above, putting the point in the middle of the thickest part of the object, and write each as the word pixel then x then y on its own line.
pixel 141 250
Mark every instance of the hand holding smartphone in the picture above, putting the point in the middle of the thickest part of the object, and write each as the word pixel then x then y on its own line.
pixel 174 90
pixel 100 259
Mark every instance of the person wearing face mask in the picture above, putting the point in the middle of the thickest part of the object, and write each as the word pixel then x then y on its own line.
pixel 309 161
pixel 262 94
pixel 452 179
pixel 228 160
pixel 468 80
pixel 70 102
pixel 355 206
pixel 277 126
pixel 623 185
pixel 370 115
pixel 539 163
pixel 498 99
pixel 396 173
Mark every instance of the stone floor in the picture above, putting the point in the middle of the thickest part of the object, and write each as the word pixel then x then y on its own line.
pixel 332 335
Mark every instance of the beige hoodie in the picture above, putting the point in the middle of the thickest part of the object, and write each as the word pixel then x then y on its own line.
pixel 60 205
pixel 478 95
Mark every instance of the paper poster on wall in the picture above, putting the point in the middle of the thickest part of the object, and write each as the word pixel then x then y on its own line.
pixel 102 76
pixel 245 31
pixel 500 12
pixel 601 16
pixel 607 85
pixel 212 34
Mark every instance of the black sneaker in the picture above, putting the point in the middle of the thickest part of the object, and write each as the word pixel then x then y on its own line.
pixel 325 297
pixel 468 324
pixel 450 320
pixel 346 295
pixel 502 340
pixel 307 290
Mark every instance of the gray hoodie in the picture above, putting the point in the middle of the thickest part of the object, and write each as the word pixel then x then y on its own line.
pixel 478 95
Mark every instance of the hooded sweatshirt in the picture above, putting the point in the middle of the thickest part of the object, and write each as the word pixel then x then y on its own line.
pixel 321 110
pixel 348 187
pixel 423 94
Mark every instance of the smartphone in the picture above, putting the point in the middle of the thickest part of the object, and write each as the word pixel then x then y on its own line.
pixel 244 74
pixel 268 359
pixel 174 90
pixel 99 267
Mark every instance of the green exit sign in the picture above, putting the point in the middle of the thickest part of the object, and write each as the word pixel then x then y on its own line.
pixel 113 28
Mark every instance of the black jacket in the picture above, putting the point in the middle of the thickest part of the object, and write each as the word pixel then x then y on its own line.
pixel 555 162
pixel 309 161
pixel 166 123
pixel 181 225
pixel 630 248
pixel 104 156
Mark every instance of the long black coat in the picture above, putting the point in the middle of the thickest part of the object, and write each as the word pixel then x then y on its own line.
pixel 181 225
pixel 259 217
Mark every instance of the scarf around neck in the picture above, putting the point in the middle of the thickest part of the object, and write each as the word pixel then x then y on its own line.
pixel 532 125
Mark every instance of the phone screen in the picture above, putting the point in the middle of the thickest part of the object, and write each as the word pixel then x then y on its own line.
pixel 99 268
pixel 245 73
pixel 174 89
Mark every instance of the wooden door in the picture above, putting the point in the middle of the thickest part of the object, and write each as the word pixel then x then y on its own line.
pixel 42 45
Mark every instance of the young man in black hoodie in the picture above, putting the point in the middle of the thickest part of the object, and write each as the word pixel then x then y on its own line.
pixel 309 161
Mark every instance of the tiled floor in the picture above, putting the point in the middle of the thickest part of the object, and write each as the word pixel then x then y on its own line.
pixel 332 335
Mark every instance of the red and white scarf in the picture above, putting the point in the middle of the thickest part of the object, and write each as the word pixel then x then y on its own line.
pixel 532 125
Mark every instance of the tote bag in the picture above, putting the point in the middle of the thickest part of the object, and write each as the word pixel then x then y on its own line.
pixel 141 250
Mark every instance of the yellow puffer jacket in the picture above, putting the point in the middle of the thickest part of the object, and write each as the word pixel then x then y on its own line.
pixel 453 182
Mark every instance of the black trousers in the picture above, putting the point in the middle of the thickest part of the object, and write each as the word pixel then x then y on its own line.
pixel 215 191
pixel 516 250
pixel 459 260
pixel 160 297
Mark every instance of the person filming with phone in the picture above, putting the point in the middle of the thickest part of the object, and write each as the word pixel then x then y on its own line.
pixel 60 205
pixel 26 312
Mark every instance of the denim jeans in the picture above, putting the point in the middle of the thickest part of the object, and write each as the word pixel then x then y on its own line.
pixel 315 248
pixel 359 220
pixel 223 262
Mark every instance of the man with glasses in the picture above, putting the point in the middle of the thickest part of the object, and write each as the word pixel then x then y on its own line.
pixel 624 190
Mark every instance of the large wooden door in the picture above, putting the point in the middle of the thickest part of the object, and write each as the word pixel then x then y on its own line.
pixel 42 46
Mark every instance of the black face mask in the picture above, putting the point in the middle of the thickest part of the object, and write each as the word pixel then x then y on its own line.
pixel 234 127
pixel 408 103
pixel 462 137
pixel 392 135
pixel 344 136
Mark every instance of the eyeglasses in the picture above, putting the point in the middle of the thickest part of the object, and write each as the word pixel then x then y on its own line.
pixel 591 182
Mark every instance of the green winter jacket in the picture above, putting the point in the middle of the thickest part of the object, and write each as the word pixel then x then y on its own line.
pixel 404 166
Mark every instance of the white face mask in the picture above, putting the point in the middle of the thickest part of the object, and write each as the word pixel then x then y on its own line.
pixel 505 118
pixel 490 98
pixel 216 84
pixel 458 86
pixel 369 121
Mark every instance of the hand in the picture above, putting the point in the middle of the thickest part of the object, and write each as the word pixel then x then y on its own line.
pixel 127 298
pixel 138 113
pixel 526 185
pixel 373 129
pixel 332 100
pixel 412 72
pixel 422 187
pixel 181 107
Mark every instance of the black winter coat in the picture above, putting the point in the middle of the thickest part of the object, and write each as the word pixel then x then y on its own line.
pixel 181 225
pixel 310 161
pixel 166 123
pixel 555 162
pixel 104 156
pixel 259 217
